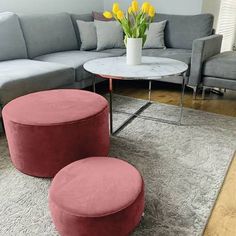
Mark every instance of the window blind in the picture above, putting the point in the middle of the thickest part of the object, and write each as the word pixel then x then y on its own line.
pixel 227 23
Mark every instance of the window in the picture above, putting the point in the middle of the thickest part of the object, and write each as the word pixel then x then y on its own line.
pixel 227 24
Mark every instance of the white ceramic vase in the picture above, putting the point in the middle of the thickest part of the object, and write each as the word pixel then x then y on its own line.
pixel 134 51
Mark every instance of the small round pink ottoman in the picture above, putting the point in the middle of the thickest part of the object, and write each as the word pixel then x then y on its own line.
pixel 97 196
pixel 48 130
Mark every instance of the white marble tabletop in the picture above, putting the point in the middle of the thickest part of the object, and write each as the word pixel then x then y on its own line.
pixel 151 67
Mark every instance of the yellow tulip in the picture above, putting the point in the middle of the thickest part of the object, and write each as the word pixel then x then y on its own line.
pixel 115 8
pixel 151 11
pixel 120 15
pixel 130 10
pixel 145 7
pixel 107 15
pixel 134 6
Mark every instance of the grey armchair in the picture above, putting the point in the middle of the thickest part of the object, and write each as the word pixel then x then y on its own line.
pixel 219 71
pixel 203 49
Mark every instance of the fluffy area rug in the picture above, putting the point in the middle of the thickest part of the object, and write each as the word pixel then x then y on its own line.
pixel 183 169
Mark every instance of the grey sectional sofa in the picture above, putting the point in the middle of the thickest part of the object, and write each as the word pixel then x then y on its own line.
pixel 40 52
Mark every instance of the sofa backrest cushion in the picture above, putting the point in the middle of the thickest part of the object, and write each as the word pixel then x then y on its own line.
pixel 82 17
pixel 181 30
pixel 12 43
pixel 48 33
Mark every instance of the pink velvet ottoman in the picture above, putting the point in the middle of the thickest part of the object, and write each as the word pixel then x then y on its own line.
pixel 97 196
pixel 48 130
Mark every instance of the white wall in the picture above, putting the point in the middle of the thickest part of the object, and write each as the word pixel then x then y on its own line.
pixel 51 6
pixel 213 7
pixel 186 7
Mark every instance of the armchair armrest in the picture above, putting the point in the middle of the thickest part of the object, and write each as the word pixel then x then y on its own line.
pixel 203 49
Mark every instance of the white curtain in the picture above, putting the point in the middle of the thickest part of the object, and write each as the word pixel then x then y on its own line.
pixel 227 23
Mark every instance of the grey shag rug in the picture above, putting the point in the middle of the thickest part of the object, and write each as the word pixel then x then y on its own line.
pixel 183 169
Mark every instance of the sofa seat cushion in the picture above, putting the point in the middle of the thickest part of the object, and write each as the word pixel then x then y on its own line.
pixel 221 66
pixel 74 59
pixel 20 77
pixel 12 43
pixel 116 52
pixel 183 55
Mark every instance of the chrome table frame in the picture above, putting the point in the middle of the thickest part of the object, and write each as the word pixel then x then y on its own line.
pixel 142 108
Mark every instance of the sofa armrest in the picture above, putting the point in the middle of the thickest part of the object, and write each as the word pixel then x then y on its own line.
pixel 203 49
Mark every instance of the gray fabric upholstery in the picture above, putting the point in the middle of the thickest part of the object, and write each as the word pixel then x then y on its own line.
pixel 12 43
pixel 219 83
pixel 203 49
pixel 109 35
pixel 88 35
pixel 48 33
pixel 23 76
pixel 74 59
pixel 155 35
pixel 85 83
pixel 116 52
pixel 181 31
pixel 222 65
pixel 83 17
pixel 183 55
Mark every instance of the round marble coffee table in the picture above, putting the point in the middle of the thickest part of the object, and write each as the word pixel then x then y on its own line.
pixel 151 69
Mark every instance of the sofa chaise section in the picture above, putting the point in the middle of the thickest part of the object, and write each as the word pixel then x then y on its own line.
pixel 23 76
pixel 20 75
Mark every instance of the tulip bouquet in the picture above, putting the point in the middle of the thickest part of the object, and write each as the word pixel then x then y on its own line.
pixel 135 21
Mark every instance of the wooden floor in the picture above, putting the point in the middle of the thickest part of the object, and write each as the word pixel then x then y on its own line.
pixel 223 219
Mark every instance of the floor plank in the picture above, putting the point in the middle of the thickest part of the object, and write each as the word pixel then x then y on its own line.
pixel 223 218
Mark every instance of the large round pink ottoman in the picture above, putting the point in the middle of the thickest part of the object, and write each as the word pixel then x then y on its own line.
pixel 48 130
pixel 97 196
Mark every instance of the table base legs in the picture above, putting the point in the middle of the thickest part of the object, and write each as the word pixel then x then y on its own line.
pixel 142 108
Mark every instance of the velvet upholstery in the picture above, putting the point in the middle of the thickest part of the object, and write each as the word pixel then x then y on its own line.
pixel 97 196
pixel 23 76
pixel 48 130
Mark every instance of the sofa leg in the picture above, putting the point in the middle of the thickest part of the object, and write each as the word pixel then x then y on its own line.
pixel 217 92
pixel 203 92
pixel 194 93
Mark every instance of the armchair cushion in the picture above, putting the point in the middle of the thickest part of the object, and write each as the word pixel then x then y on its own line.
pixel 222 65
pixel 203 49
